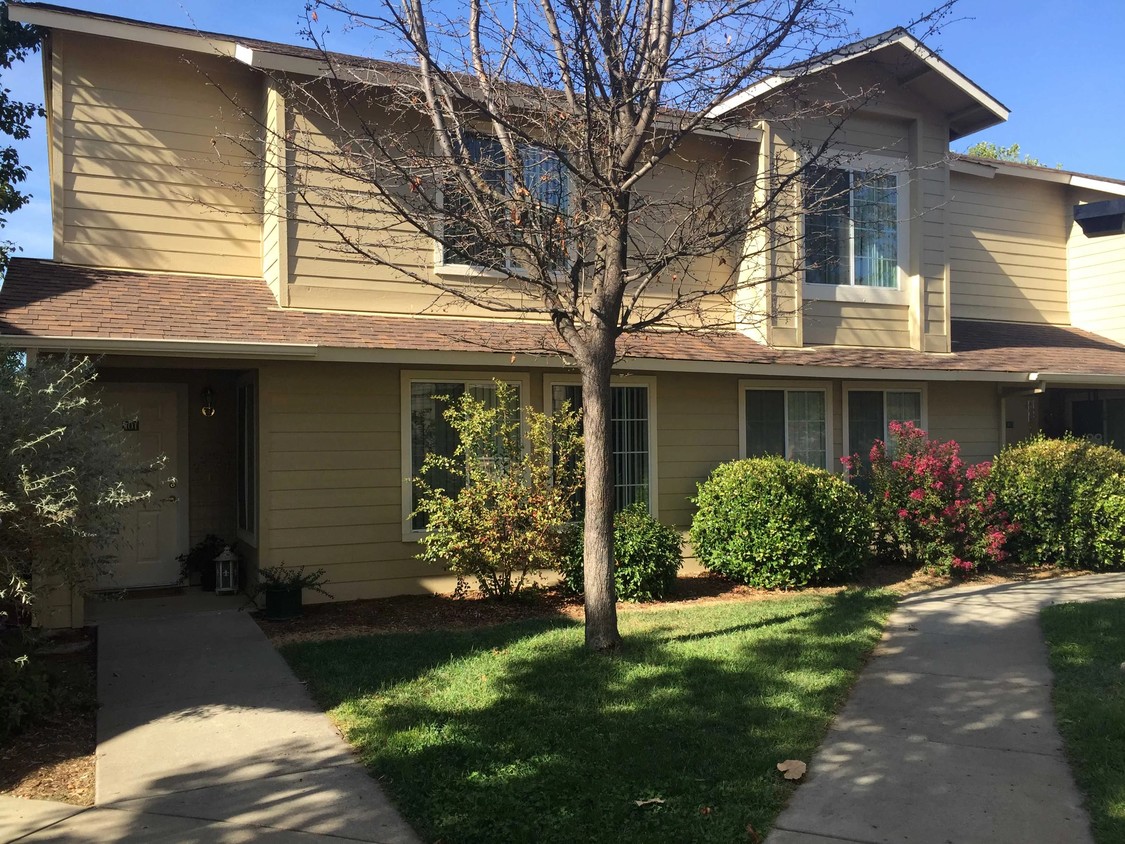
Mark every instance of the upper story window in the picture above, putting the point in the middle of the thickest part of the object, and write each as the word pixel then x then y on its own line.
pixel 524 210
pixel 853 231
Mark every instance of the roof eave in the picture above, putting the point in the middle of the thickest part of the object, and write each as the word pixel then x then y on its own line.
pixel 988 110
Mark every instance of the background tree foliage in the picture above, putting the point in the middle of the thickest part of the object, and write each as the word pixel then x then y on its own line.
pixel 987 149
pixel 66 472
pixel 17 42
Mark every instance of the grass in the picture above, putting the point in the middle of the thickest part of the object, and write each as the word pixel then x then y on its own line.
pixel 515 733
pixel 1087 643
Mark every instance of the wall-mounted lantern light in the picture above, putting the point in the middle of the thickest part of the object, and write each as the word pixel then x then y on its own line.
pixel 208 398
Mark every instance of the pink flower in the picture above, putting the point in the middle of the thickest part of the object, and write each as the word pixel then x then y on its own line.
pixel 917 494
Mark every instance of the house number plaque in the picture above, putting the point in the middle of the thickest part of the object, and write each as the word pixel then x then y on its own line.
pixel 131 425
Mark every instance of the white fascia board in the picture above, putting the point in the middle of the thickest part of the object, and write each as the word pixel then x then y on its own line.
pixel 862 48
pixel 51 19
pixel 161 348
pixel 991 169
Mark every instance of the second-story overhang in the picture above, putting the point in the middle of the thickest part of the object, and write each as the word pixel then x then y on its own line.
pixel 908 63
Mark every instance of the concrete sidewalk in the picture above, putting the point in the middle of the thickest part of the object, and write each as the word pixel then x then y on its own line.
pixel 204 734
pixel 949 735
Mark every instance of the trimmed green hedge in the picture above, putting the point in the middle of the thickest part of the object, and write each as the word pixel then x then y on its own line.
pixel 1052 488
pixel 647 556
pixel 772 523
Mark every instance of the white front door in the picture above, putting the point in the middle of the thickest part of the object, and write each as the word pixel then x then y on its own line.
pixel 151 532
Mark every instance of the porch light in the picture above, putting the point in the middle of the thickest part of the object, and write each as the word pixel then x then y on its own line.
pixel 226 572
pixel 208 397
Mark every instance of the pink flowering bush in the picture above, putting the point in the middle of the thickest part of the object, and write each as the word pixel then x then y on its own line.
pixel 930 507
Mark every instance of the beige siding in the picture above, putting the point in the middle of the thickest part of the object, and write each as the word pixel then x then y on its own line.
pixel 1008 249
pixel 697 429
pixel 1097 279
pixel 968 412
pixel 331 462
pixel 856 324
pixel 153 176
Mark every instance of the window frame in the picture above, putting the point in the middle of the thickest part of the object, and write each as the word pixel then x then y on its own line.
pixel 551 380
pixel 469 271
pixel 249 535
pixel 409 377
pixel 898 166
pixel 747 384
pixel 849 387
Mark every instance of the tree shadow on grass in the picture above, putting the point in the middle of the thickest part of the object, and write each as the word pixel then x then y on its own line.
pixel 516 733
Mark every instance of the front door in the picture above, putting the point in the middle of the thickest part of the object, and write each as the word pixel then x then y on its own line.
pixel 150 538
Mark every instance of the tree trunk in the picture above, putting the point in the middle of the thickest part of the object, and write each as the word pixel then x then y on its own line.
pixel 601 597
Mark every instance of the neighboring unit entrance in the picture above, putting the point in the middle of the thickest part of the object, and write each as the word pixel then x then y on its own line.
pixel 151 532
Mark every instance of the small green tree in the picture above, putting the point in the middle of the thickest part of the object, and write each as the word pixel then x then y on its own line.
pixel 17 42
pixel 65 473
pixel 504 498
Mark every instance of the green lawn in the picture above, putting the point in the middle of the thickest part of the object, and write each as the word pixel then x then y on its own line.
pixel 515 733
pixel 1087 643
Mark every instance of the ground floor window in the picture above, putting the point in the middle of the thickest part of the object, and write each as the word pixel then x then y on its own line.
pixel 792 422
pixel 431 433
pixel 869 412
pixel 631 434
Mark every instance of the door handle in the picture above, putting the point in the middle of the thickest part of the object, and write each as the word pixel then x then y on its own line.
pixel 171 499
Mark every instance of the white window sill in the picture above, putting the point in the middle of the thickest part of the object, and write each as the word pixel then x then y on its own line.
pixel 853 293
pixel 470 271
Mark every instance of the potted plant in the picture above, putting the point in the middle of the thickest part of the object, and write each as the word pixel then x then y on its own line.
pixel 284 587
pixel 200 561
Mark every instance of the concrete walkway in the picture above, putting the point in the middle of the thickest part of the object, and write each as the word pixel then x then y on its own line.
pixel 204 734
pixel 949 735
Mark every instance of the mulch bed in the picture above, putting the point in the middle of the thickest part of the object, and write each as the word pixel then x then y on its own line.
pixel 53 758
pixel 413 613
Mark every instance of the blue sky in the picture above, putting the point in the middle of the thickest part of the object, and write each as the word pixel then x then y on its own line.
pixel 1057 66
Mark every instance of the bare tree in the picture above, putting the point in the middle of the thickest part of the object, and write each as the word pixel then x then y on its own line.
pixel 570 159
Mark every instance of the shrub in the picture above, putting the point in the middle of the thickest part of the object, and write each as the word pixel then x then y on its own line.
pixel 1109 524
pixel 503 510
pixel 65 473
pixel 1049 486
pixel 929 507
pixel 647 556
pixel 772 523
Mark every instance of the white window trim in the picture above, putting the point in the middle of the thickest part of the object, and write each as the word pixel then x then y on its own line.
pixel 250 537
pixel 884 386
pixel 410 376
pixel 745 385
pixel 648 381
pixel 852 292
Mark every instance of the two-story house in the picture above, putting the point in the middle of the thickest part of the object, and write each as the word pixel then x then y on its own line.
pixel 293 388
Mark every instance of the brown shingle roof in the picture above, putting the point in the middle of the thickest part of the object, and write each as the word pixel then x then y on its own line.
pixel 44 299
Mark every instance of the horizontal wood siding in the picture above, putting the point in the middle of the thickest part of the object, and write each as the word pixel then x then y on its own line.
pixel 968 412
pixel 331 463
pixel 1097 278
pixel 153 173
pixel 1008 249
pixel 856 324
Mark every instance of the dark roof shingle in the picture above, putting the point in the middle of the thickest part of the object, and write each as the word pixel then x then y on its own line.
pixel 44 299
